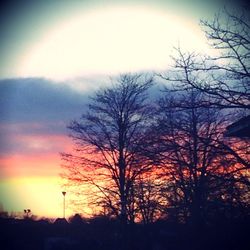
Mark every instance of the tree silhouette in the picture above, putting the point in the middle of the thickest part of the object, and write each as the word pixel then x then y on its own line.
pixel 149 200
pixel 198 170
pixel 194 72
pixel 27 213
pixel 108 157
pixel 230 34
pixel 225 76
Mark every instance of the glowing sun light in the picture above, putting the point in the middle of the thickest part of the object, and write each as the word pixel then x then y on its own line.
pixel 110 41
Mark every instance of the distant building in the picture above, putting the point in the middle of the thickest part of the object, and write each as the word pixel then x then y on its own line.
pixel 240 128
pixel 60 221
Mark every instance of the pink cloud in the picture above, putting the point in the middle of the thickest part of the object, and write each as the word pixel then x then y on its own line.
pixel 34 155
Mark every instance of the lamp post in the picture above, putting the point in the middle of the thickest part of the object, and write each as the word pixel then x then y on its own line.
pixel 64 193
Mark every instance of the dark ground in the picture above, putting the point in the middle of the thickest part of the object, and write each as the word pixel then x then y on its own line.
pixel 102 233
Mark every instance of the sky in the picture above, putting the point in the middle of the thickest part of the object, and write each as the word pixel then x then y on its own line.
pixel 54 54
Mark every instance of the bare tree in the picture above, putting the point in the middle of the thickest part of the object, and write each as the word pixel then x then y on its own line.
pixel 225 76
pixel 213 84
pixel 229 33
pixel 191 72
pixel 150 202
pixel 108 157
pixel 188 152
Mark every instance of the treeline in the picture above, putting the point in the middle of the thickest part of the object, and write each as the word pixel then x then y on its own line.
pixel 144 156
pixel 102 233
pixel 171 159
pixel 140 158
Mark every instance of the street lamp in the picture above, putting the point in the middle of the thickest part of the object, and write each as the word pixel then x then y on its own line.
pixel 64 193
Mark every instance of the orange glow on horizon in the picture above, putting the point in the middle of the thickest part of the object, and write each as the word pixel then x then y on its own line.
pixel 43 195
pixel 23 165
pixel 29 177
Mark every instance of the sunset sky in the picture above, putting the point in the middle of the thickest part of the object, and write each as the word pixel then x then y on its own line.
pixel 54 54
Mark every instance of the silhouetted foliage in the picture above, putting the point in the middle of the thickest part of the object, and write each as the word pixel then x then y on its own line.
pixel 223 80
pixel 166 172
pixel 100 233
pixel 224 77
pixel 202 173
pixel 229 33
pixel 149 199
pixel 108 157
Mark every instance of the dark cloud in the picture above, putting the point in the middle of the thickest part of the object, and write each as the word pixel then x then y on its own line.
pixel 32 110
pixel 38 100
